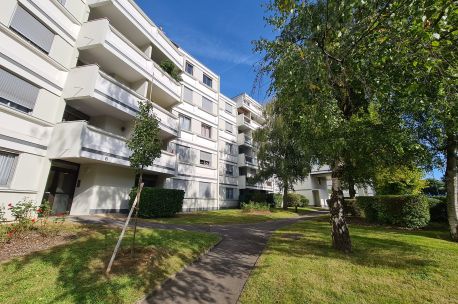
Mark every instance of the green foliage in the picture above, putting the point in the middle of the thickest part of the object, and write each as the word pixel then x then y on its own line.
pixel 296 200
pixel 144 142
pixel 278 200
pixel 2 214
pixel 351 207
pixel 399 181
pixel 170 68
pixel 157 202
pixel 254 206
pixel 410 211
pixel 45 209
pixel 257 196
pixel 438 209
pixel 434 187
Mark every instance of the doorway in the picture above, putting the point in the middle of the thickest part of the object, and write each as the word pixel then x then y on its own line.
pixel 316 198
pixel 61 184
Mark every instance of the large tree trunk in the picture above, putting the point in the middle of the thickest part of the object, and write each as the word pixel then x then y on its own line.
pixel 351 188
pixel 452 185
pixel 137 207
pixel 340 234
pixel 285 193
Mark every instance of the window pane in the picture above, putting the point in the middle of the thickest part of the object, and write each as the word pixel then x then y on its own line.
pixel 6 167
pixel 228 108
pixel 32 29
pixel 185 123
pixel 229 148
pixel 229 127
pixel 229 170
pixel 187 95
pixel 207 105
pixel 229 193
pixel 184 153
pixel 206 131
pixel 207 80
pixel 205 158
pixel 14 90
pixel 180 184
pixel 204 189
pixel 189 68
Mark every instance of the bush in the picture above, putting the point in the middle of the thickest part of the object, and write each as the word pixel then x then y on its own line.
pixel 278 200
pixel 296 200
pixel 438 209
pixel 170 68
pixel 410 211
pixel 350 207
pixel 304 201
pixel 254 206
pixel 157 202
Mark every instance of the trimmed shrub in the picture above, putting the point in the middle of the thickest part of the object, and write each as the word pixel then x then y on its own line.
pixel 157 202
pixel 254 206
pixel 278 200
pixel 257 196
pixel 304 201
pixel 438 209
pixel 411 211
pixel 296 200
pixel 350 207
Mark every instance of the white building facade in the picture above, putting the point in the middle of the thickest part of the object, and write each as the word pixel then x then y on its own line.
pixel 71 75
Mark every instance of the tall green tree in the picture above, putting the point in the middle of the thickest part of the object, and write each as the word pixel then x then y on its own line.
pixel 319 68
pixel 145 144
pixel 279 154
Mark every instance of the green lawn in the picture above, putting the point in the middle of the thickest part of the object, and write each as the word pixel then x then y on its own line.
pixel 387 266
pixel 229 216
pixel 74 273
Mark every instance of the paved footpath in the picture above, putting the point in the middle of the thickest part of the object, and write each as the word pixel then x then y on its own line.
pixel 219 276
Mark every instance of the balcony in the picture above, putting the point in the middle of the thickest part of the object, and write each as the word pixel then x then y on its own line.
pixel 246 102
pixel 244 140
pixel 247 161
pixel 129 19
pixel 244 123
pixel 165 90
pixel 79 142
pixel 100 43
pixel 244 183
pixel 94 93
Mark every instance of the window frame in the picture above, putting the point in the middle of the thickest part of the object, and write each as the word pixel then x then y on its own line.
pixel 191 66
pixel 203 162
pixel 231 130
pixel 209 79
pixel 227 172
pixel 188 149
pixel 232 191
pixel 209 195
pixel 205 126
pixel 13 168
pixel 180 116
pixel 209 102
pixel 226 105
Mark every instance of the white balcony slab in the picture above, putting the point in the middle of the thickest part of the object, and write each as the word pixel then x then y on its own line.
pixel 266 186
pixel 247 161
pixel 93 92
pixel 244 123
pixel 244 140
pixel 99 42
pixel 79 142
pixel 166 91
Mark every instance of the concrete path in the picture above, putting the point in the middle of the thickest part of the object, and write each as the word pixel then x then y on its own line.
pixel 220 275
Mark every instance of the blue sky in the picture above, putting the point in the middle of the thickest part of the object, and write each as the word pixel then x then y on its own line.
pixel 218 34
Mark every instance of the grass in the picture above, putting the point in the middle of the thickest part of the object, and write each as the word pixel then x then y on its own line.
pixel 387 266
pixel 74 272
pixel 229 216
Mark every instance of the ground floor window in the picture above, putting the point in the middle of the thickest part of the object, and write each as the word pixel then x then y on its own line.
pixel 205 190
pixel 7 164
pixel 230 193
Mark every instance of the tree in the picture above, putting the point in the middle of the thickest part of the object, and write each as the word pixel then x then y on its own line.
pixel 278 154
pixel 399 180
pixel 319 67
pixel 434 187
pixel 145 145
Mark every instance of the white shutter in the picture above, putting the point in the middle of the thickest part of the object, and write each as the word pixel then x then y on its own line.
pixel 207 104
pixel 16 90
pixel 32 29
pixel 187 95
pixel 6 167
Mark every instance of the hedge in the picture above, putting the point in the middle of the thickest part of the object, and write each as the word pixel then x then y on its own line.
pixel 410 211
pixel 157 202
pixel 258 197
pixel 350 207
pixel 438 209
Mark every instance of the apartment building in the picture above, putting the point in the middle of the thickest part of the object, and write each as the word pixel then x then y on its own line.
pixel 71 75
pixel 249 118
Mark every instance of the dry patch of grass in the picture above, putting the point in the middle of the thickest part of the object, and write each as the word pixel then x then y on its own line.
pixel 74 272
pixel 387 266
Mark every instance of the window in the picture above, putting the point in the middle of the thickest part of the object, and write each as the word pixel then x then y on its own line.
pixel 188 95
pixel 228 108
pixel 207 81
pixel 229 170
pixel 206 131
pixel 189 68
pixel 205 190
pixel 62 1
pixel 185 123
pixel 180 184
pixel 7 162
pixel 205 158
pixel 207 105
pixel 230 193
pixel 32 30
pixel 229 149
pixel 229 127
pixel 184 153
pixel 16 92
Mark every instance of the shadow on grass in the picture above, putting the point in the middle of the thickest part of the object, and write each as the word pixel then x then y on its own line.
pixel 372 246
pixel 80 275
